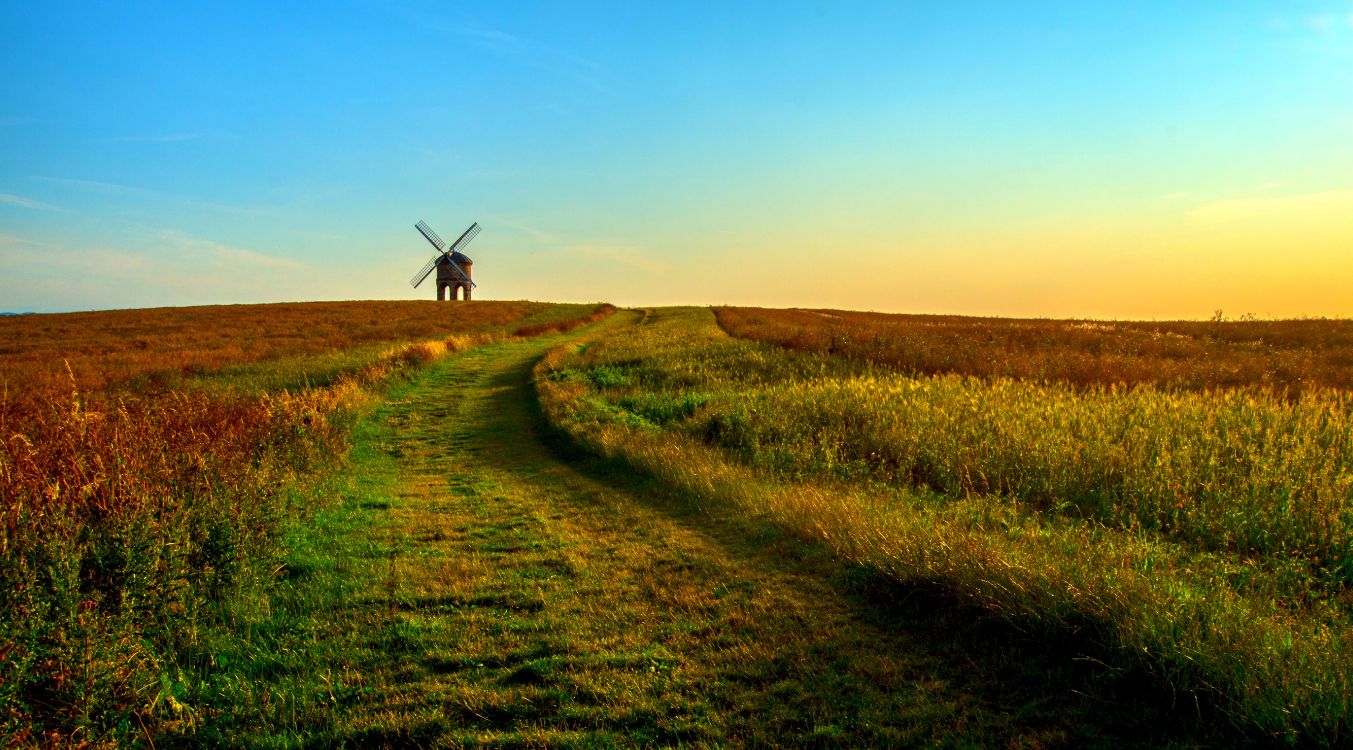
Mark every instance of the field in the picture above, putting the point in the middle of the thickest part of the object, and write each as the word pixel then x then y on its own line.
pixel 522 524
pixel 1201 533
pixel 151 349
pixel 150 463
pixel 1283 356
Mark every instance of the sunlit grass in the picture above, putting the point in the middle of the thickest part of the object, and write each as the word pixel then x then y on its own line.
pixel 1283 356
pixel 150 349
pixel 1238 473
pixel 140 520
pixel 527 598
pixel 1202 535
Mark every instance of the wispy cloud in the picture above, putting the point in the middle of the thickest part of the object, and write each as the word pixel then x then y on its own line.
pixel 1326 33
pixel 18 253
pixel 165 138
pixel 1311 207
pixel 145 266
pixel 535 233
pixel 13 240
pixel 493 39
pixel 96 186
pixel 529 53
pixel 1323 22
pixel 555 62
pixel 159 196
pixel 22 202
pixel 225 255
pixel 630 255
pixel 437 154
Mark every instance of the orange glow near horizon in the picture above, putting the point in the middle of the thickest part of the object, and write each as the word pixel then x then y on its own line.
pixel 1107 160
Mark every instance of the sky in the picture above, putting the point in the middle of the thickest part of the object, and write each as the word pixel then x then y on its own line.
pixel 1111 159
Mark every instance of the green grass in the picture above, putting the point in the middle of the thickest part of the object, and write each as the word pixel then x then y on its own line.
pixel 325 368
pixel 698 541
pixel 1201 538
pixel 483 583
pixel 143 529
pixel 1238 473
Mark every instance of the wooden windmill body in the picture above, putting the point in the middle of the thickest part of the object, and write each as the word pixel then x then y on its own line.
pixel 453 267
pixel 448 279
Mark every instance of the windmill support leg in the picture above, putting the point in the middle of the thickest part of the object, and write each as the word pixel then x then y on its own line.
pixel 467 294
pixel 441 292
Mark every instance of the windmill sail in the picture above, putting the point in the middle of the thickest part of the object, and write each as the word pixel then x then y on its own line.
pixel 431 236
pixel 465 238
pixel 423 273
pixel 447 256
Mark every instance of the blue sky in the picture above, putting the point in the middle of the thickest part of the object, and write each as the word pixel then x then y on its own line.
pixel 1111 159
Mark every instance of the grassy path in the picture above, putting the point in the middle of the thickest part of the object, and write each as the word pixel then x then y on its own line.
pixel 504 593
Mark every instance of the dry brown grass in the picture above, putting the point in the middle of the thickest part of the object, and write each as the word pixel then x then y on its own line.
pixel 564 325
pixel 134 519
pixel 116 346
pixel 1287 356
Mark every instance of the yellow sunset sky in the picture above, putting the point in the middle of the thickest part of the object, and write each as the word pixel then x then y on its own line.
pixel 1108 160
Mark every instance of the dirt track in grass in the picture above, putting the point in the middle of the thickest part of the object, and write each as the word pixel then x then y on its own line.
pixel 516 593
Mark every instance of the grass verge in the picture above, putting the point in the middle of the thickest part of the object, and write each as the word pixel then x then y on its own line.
pixel 1157 606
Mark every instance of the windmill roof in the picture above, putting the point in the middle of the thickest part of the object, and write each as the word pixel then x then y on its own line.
pixel 461 258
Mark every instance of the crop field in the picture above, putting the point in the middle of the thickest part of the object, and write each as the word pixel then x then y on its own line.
pixel 1181 494
pixel 147 349
pixel 535 525
pixel 151 460
pixel 1284 356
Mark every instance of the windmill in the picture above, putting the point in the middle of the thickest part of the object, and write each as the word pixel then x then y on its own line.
pixel 453 266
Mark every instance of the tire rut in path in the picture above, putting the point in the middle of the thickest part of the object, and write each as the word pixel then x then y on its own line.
pixel 536 602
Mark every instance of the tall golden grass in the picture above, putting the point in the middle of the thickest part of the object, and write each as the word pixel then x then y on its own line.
pixel 1286 356
pixel 562 325
pixel 1203 535
pixel 134 520
pixel 1236 472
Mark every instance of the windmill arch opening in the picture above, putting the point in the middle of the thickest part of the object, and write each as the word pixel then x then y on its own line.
pixel 456 291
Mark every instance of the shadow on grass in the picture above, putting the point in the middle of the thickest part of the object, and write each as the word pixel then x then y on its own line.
pixel 1064 679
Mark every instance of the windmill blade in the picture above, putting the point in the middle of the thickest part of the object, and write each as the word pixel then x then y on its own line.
pixel 460 273
pixel 465 238
pixel 423 274
pixel 430 235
